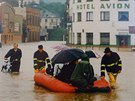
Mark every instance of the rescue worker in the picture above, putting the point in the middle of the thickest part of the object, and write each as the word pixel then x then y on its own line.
pixel 83 74
pixel 40 59
pixel 15 55
pixel 112 64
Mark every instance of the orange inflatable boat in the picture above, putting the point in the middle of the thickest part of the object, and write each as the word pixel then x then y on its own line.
pixel 53 84
pixel 56 85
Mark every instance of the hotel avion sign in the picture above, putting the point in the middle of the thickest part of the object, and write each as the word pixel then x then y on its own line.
pixel 103 6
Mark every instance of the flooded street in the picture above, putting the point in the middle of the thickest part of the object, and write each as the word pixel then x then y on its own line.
pixel 21 87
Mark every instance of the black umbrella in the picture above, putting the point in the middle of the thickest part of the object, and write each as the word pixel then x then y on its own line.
pixel 67 55
pixel 91 54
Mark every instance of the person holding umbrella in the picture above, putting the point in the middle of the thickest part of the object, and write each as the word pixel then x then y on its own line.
pixel 113 65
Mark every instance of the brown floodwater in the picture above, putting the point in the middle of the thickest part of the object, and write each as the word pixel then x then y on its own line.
pixel 22 88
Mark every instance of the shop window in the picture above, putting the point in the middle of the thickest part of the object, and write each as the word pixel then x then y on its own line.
pixel 104 38
pixel 78 38
pixel 89 38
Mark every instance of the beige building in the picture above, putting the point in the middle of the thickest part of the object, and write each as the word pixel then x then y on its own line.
pixel 48 22
pixel 8 19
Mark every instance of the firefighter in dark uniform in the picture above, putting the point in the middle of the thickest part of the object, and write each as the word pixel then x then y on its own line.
pixel 112 64
pixel 40 59
pixel 15 55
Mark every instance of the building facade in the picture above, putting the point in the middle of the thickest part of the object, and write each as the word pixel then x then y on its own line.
pixel 22 3
pixel 48 22
pixel 31 24
pixel 101 22
pixel 8 21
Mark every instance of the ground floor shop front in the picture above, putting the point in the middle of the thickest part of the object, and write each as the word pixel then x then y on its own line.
pixel 103 38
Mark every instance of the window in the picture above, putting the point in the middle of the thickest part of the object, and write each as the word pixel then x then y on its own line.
pixel 104 16
pixel 89 0
pixel 89 38
pixel 51 20
pixel 79 0
pixel 89 16
pixel 79 16
pixel 78 38
pixel 105 0
pixel 123 16
pixel 45 20
pixel 122 0
pixel 104 38
pixel 46 27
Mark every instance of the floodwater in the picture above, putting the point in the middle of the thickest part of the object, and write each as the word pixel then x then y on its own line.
pixel 22 88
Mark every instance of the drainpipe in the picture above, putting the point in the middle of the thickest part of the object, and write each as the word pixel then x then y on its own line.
pixel 0 41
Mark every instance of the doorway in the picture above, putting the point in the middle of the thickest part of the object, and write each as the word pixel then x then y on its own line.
pixel 123 40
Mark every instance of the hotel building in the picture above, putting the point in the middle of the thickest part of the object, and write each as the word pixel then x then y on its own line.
pixel 101 22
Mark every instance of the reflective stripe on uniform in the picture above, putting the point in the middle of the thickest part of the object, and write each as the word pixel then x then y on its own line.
pixel 112 73
pixel 119 64
pixel 102 70
pixel 49 63
pixel 35 64
pixel 109 65
pixel 41 68
pixel 40 60
pixel 103 65
pixel 35 58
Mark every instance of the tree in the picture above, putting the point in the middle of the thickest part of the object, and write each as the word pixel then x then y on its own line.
pixel 57 34
pixel 57 9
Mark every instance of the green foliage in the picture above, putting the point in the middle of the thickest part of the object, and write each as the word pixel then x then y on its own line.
pixel 56 8
pixel 56 34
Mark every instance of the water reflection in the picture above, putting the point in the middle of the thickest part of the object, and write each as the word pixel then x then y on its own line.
pixel 22 88
pixel 45 95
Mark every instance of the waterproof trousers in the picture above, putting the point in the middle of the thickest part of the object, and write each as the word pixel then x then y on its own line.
pixel 112 79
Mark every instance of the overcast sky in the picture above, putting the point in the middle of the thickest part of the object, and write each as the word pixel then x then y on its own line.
pixel 62 1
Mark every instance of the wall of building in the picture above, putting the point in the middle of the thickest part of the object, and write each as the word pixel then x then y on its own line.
pixel 20 11
pixel 96 26
pixel 8 20
pixel 50 22
pixel 33 24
